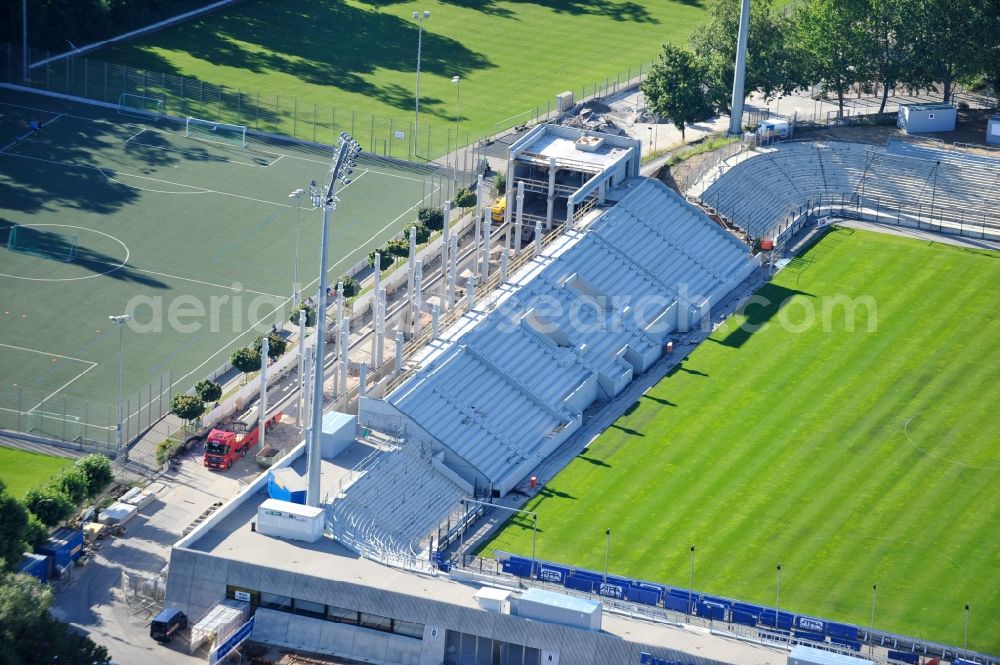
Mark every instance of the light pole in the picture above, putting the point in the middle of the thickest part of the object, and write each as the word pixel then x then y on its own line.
pixel 871 627
pixel 777 597
pixel 534 527
pixel 419 17
pixel 326 198
pixel 119 321
pixel 691 581
pixel 457 80
pixel 297 195
pixel 607 551
pixel 966 642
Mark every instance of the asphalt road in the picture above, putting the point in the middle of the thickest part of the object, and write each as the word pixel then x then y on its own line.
pixel 93 601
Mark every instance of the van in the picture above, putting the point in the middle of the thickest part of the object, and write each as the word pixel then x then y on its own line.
pixel 498 209
pixel 167 623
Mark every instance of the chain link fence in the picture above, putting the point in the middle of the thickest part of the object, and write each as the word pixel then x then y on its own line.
pixel 300 119
pixel 85 424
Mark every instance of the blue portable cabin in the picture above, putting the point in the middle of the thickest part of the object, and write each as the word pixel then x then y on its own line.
pixel 36 565
pixel 65 546
pixel 286 485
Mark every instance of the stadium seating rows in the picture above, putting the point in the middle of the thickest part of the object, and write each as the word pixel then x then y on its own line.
pixel 397 502
pixel 762 193
pixel 504 394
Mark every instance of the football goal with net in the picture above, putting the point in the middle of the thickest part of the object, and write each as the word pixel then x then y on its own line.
pixel 140 106
pixel 216 132
pixel 47 244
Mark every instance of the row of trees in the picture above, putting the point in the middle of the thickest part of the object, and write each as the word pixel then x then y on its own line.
pixel 876 44
pixel 28 631
pixel 30 634
pixel 24 523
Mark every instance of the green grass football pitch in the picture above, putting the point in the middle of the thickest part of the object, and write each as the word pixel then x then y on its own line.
pixel 197 239
pixel 359 56
pixel 850 458
pixel 20 470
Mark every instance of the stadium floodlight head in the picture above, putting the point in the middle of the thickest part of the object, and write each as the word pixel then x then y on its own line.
pixel 119 319
pixel 456 79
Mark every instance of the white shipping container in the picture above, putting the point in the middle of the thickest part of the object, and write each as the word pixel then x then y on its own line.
pixel 283 519
pixel 551 607
pixel 118 513
pixel 138 497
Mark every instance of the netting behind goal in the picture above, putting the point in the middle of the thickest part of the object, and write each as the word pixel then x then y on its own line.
pixel 218 132
pixel 49 244
pixel 140 106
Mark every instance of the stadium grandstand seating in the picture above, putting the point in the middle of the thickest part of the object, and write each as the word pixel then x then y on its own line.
pixel 391 507
pixel 906 182
pixel 500 396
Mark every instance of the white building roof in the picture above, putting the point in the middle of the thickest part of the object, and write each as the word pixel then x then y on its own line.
pixel 494 392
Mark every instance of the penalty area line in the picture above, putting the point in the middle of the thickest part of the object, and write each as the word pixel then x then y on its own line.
pixel 61 388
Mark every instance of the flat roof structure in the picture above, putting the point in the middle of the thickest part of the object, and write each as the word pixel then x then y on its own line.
pixel 561 600
pixel 566 150
pixel 228 555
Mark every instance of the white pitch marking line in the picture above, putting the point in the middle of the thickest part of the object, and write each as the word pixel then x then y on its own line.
pixel 218 286
pixel 274 162
pixel 51 120
pixel 288 299
pixel 135 136
pixel 45 353
pixel 57 391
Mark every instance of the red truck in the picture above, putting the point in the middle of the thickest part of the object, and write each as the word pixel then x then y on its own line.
pixel 228 441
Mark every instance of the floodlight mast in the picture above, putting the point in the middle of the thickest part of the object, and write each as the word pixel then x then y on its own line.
pixel 119 321
pixel 419 17
pixel 342 166
pixel 736 116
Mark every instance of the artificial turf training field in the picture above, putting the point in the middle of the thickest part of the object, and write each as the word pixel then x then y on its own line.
pixel 360 55
pixel 851 458
pixel 21 470
pixel 196 239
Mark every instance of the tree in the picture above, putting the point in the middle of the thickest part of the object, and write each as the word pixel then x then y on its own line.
pixel 13 526
pixel 208 391
pixel 49 504
pixel 500 182
pixel 36 533
pixel 397 247
pixel 432 218
pixel 950 38
pixel 464 198
pixel 888 45
pixel 310 315
pixel 276 346
pixel 351 286
pixel 675 88
pixel 246 359
pixel 30 634
pixel 385 259
pixel 186 407
pixel 989 54
pixel 423 234
pixel 97 469
pixel 770 67
pixel 73 483
pixel 834 44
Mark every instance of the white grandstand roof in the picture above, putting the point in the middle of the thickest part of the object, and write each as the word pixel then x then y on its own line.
pixel 494 387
